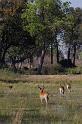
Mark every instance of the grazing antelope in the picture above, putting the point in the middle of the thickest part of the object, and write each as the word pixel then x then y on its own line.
pixel 43 95
pixel 61 90
pixel 68 86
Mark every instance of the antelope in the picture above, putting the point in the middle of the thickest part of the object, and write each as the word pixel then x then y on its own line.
pixel 61 90
pixel 68 86
pixel 43 94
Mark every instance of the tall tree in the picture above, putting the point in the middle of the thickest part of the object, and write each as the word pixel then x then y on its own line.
pixel 39 21
pixel 72 21
pixel 13 36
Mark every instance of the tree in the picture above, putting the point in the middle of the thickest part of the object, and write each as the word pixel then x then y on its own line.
pixel 72 21
pixel 14 36
pixel 38 19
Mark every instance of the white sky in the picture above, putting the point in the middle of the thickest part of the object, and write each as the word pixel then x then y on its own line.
pixel 75 3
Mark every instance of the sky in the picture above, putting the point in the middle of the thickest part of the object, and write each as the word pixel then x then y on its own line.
pixel 75 3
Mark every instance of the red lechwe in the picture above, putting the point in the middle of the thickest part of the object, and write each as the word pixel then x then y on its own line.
pixel 68 86
pixel 43 94
pixel 61 90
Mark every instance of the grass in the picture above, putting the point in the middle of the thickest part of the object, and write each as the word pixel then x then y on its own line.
pixel 80 55
pixel 21 104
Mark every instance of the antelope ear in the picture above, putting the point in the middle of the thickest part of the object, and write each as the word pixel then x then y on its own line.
pixel 39 87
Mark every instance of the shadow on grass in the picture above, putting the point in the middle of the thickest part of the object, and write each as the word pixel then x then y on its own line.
pixel 13 81
pixel 5 119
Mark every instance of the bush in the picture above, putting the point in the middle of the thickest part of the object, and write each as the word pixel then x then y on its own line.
pixel 75 70
pixel 53 69
pixel 80 55
pixel 66 63
pixel 58 69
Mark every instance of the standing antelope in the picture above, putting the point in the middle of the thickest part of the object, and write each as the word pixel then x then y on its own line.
pixel 61 90
pixel 43 94
pixel 68 86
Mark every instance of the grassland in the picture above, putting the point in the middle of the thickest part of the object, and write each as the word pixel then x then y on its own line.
pixel 21 104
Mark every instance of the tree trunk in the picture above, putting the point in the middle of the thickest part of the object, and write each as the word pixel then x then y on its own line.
pixel 3 58
pixel 51 53
pixel 13 64
pixel 31 61
pixel 3 55
pixel 68 57
pixel 74 54
pixel 57 50
pixel 41 61
pixel 57 54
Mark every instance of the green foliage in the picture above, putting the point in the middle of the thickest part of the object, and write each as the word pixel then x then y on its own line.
pixel 39 18
pixel 53 69
pixel 80 55
pixel 7 73
pixel 66 63
pixel 69 21
pixel 76 70
pixel 59 69
pixel 71 25
pixel 35 26
pixel 15 44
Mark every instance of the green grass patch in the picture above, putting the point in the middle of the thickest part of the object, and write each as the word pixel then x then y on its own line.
pixel 60 110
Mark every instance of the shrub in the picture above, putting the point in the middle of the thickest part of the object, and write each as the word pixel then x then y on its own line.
pixel 53 69
pixel 75 70
pixel 66 63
